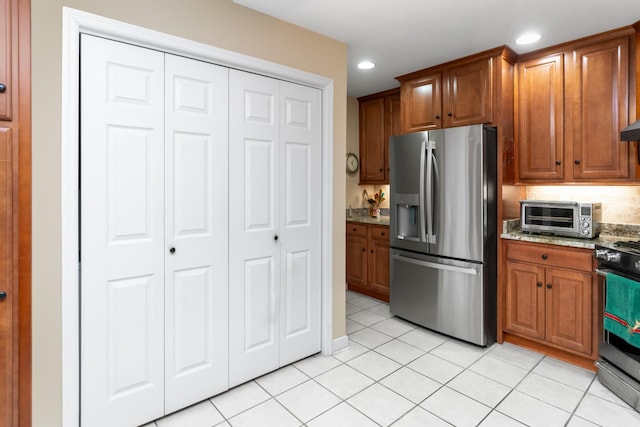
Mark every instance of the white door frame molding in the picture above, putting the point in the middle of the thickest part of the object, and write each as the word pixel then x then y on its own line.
pixel 76 22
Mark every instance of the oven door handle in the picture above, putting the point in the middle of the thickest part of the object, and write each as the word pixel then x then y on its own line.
pixel 604 271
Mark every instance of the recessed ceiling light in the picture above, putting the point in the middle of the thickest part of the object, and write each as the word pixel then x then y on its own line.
pixel 366 65
pixel 528 38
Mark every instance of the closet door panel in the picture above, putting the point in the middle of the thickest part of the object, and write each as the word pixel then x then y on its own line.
pixel 300 136
pixel 195 254
pixel 122 233
pixel 254 244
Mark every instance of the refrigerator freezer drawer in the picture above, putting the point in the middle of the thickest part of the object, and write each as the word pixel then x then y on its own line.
pixel 444 295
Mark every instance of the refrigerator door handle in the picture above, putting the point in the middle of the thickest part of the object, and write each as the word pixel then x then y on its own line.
pixel 470 271
pixel 431 238
pixel 422 213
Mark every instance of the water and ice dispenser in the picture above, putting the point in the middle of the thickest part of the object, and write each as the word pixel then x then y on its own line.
pixel 407 208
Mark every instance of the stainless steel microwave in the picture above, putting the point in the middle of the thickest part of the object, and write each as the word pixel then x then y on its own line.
pixel 570 219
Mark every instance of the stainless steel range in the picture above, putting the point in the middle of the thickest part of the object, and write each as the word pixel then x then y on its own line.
pixel 619 366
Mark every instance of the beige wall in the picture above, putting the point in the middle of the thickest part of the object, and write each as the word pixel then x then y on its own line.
pixel 218 23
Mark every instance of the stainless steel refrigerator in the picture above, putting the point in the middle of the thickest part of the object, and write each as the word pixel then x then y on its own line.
pixel 444 230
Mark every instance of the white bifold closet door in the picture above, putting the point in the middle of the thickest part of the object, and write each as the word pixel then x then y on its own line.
pixel 153 235
pixel 274 225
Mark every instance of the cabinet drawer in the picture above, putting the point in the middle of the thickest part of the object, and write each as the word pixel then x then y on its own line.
pixel 551 256
pixel 379 232
pixel 354 229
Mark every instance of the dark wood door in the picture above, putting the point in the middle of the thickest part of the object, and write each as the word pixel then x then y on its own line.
pixel 568 309
pixel 356 260
pixel 392 126
pixel 540 119
pixel 8 134
pixel 378 262
pixel 6 281
pixel 5 59
pixel 525 304
pixel 421 103
pixel 372 144
pixel 467 98
pixel 600 82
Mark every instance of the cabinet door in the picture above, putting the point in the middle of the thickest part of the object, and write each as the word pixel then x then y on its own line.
pixel 6 283
pixel 378 265
pixel 372 141
pixel 392 127
pixel 467 98
pixel 600 110
pixel 357 260
pixel 525 305
pixel 568 309
pixel 421 107
pixel 5 57
pixel 540 123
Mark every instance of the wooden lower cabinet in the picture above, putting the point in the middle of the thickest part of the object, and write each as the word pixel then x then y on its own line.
pixel 368 259
pixel 550 299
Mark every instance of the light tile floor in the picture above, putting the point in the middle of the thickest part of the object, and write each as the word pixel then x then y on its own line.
pixel 395 373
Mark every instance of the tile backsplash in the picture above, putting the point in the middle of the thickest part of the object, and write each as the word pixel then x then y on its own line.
pixel 620 204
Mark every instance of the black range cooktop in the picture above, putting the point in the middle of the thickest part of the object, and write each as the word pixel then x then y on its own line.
pixel 622 255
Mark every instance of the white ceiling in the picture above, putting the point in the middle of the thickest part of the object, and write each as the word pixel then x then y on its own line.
pixel 402 36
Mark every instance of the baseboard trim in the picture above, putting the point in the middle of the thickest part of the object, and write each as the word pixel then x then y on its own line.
pixel 339 344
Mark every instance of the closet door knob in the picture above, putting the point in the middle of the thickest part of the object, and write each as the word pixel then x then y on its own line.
pixel 3 296
pixel 275 237
pixel 3 88
pixel 172 250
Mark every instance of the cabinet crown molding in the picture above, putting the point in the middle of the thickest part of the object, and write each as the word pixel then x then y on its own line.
pixel 505 51
pixel 627 31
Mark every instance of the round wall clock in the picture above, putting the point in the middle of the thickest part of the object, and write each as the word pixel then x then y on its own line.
pixel 352 163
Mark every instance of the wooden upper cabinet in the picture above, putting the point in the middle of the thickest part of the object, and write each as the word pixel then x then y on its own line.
pixel 572 101
pixel 372 140
pixel 379 119
pixel 5 59
pixel 600 94
pixel 467 99
pixel 391 126
pixel 421 107
pixel 540 118
pixel 458 93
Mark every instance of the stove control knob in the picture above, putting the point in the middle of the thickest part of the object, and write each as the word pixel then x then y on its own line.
pixel 585 231
pixel 585 224
pixel 612 257
pixel 607 256
pixel 601 253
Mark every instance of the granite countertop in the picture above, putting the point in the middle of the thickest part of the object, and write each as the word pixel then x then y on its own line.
pixel 611 233
pixel 366 219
